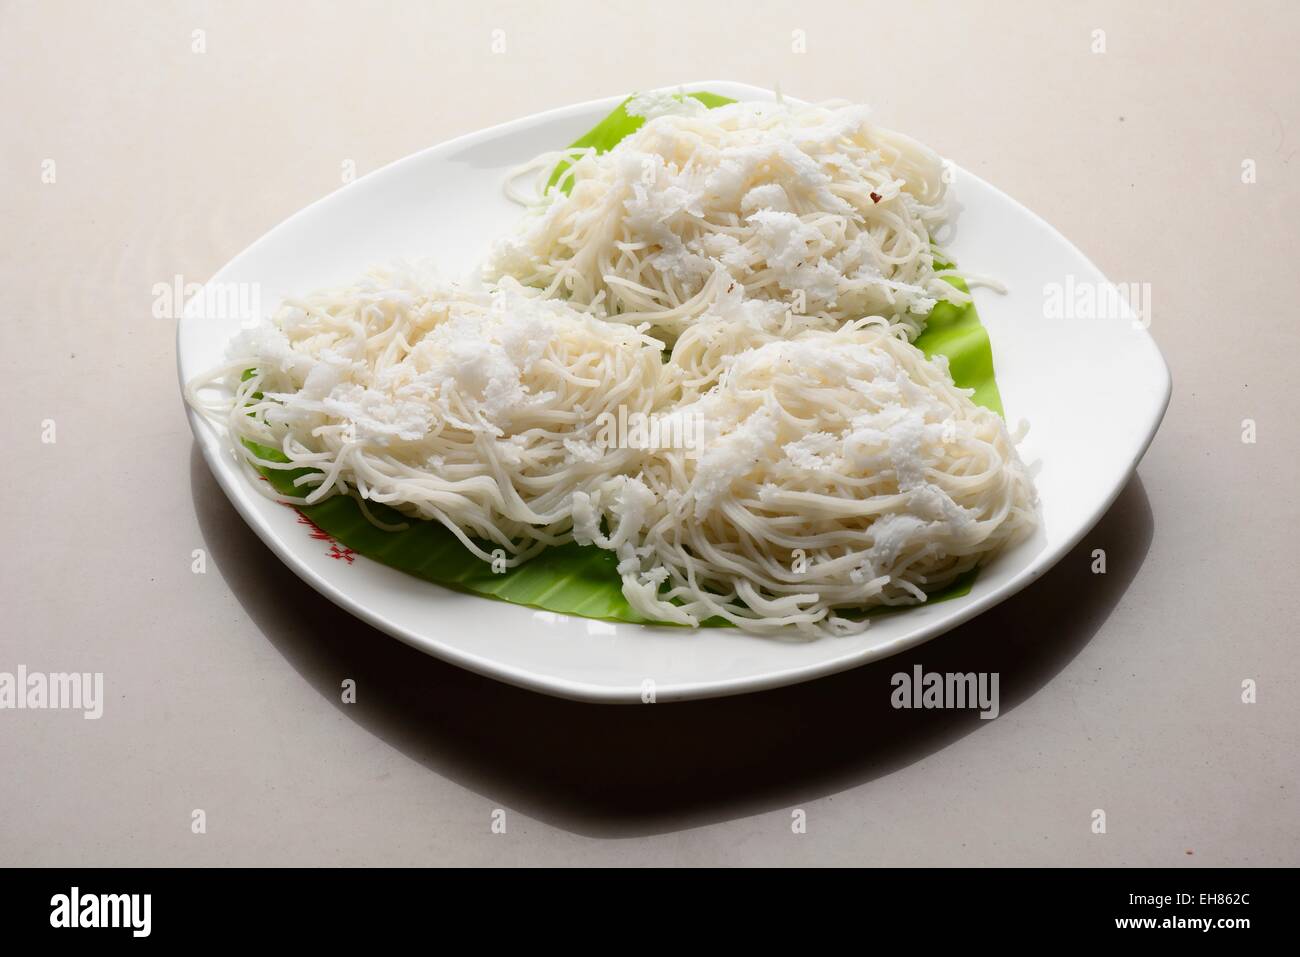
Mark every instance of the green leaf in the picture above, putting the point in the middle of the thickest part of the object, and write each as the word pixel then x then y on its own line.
pixel 583 580
pixel 572 579
pixel 956 332
pixel 610 131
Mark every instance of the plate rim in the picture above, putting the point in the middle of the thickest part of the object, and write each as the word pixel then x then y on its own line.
pixel 209 442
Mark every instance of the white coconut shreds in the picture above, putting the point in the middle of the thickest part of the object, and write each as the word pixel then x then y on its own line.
pixel 810 206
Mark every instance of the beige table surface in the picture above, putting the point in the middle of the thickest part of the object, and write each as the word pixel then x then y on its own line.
pixel 1120 692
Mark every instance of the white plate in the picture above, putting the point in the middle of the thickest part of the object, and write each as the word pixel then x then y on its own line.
pixel 446 202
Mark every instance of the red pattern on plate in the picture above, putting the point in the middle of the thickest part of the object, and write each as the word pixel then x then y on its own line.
pixel 341 552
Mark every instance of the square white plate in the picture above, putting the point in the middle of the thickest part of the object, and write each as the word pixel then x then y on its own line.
pixel 1093 389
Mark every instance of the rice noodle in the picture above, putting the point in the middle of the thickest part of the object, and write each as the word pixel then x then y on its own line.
pixel 839 471
pixel 811 206
pixel 479 410
pixel 786 255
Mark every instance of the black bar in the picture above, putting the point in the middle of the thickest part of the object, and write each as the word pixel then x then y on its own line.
pixel 331 906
